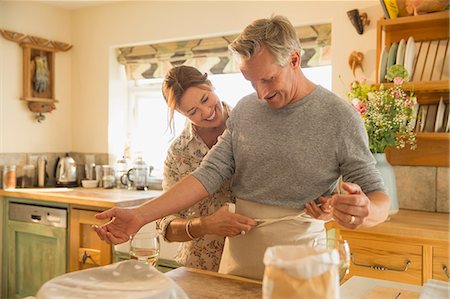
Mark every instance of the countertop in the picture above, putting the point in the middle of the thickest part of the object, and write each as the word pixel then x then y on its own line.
pixel 207 284
pixel 96 197
pixel 410 224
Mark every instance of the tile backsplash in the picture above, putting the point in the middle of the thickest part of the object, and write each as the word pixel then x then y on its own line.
pixel 419 187
pixel 21 159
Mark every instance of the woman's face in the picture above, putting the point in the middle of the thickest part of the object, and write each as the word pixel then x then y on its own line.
pixel 202 107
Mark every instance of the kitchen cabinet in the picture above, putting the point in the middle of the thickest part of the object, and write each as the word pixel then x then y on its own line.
pixel 411 247
pixel 432 148
pixel 86 248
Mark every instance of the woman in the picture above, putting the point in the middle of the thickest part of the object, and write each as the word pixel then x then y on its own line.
pixel 203 227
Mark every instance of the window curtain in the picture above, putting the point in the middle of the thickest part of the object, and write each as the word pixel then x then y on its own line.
pixel 211 55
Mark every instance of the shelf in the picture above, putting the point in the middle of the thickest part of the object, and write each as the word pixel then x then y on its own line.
pixel 415 21
pixel 432 150
pixel 39 100
pixel 433 136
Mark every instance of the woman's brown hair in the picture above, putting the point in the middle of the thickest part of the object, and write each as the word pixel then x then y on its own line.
pixel 177 81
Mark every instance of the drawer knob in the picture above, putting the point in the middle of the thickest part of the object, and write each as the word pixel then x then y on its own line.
pixel 445 269
pixel 86 256
pixel 381 268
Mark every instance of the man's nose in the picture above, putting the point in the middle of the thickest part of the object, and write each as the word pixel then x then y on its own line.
pixel 261 90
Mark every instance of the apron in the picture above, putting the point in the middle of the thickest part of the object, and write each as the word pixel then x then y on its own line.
pixel 243 254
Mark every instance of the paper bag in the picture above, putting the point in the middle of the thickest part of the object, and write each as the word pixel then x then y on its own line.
pixel 299 271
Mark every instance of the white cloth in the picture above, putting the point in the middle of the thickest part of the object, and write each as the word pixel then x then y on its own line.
pixel 126 279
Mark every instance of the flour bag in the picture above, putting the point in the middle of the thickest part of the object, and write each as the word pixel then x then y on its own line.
pixel 300 271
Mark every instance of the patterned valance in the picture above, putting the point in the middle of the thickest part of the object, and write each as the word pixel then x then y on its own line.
pixel 211 55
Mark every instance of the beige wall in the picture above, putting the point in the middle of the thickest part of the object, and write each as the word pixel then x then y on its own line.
pixel 96 30
pixel 19 132
pixel 87 110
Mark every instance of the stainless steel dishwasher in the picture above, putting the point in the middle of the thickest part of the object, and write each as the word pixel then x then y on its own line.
pixel 37 250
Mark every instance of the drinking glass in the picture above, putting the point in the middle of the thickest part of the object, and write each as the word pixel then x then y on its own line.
pixel 343 249
pixel 144 246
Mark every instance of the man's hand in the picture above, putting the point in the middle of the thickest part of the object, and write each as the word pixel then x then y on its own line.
pixel 352 209
pixel 124 223
pixel 322 211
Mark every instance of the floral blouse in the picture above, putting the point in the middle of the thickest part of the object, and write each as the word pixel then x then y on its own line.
pixel 184 156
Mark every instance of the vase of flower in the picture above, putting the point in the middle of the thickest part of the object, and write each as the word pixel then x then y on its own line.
pixel 387 173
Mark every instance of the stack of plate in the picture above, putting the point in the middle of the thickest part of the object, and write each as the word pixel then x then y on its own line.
pixel 402 53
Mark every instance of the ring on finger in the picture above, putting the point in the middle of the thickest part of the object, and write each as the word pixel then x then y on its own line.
pixel 352 220
pixel 243 232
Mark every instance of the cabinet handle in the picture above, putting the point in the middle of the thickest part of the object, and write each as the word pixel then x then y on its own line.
pixel 87 256
pixel 445 269
pixel 382 268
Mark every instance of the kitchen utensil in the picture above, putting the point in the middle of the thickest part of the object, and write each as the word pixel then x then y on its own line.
pixel 66 172
pixel 410 56
pixel 121 173
pixel 89 183
pixel 9 177
pixel 139 173
pixel 108 179
pixel 382 65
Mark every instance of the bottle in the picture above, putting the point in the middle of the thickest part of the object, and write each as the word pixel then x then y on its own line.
pixel 42 171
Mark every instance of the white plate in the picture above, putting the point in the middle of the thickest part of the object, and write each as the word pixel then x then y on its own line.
pixel 410 56
pixel 382 65
pixel 401 53
pixel 391 56
pixel 439 116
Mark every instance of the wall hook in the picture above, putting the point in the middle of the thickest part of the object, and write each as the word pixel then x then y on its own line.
pixel 358 20
pixel 355 60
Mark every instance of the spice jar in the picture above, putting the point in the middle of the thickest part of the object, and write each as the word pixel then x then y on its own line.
pixel 9 177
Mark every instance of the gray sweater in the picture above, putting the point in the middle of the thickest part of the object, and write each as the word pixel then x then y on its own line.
pixel 290 156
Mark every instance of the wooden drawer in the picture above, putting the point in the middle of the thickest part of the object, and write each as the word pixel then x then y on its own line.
pixel 441 263
pixel 385 260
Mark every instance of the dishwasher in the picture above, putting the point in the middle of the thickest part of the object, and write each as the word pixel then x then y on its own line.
pixel 37 249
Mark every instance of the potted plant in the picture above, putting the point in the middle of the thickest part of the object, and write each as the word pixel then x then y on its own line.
pixel 388 115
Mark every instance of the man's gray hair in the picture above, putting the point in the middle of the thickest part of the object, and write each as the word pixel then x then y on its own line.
pixel 276 33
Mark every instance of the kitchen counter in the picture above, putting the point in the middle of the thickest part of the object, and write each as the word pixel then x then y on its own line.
pixel 207 284
pixel 96 197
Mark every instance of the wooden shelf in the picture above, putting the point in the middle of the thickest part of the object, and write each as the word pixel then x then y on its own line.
pixel 39 100
pixel 432 148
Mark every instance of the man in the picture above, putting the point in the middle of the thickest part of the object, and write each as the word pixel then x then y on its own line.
pixel 285 146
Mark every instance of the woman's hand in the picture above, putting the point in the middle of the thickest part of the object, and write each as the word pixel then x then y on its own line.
pixel 124 223
pixel 225 223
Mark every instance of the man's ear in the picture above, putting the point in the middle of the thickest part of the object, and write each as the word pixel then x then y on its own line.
pixel 295 59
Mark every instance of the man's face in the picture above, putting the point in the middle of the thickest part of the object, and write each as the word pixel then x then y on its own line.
pixel 273 83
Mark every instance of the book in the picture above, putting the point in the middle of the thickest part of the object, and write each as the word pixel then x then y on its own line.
pixel 392 8
pixel 385 12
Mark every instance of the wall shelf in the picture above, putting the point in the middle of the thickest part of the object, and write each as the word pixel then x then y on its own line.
pixel 432 148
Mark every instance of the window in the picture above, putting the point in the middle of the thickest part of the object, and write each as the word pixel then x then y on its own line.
pixel 148 115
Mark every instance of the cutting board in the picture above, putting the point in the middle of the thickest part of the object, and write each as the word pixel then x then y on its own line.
pixel 394 293
pixel 201 284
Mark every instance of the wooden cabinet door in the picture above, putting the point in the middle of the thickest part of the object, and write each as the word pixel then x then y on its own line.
pixel 441 263
pixel 36 253
pixel 388 260
pixel 87 250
